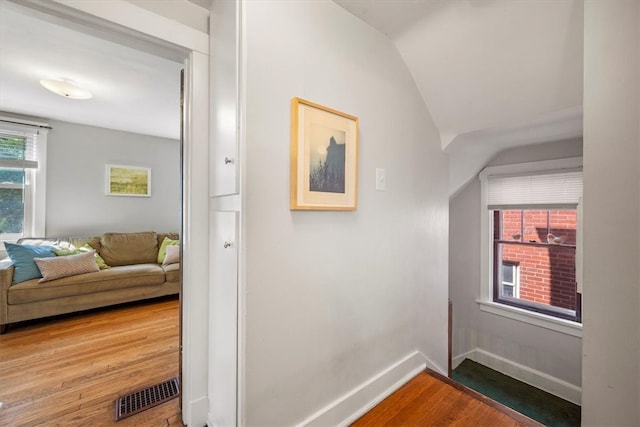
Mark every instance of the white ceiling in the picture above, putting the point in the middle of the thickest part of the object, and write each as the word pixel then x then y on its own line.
pixel 132 90
pixel 493 73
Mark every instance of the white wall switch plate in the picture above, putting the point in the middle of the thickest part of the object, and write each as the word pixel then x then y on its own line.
pixel 381 179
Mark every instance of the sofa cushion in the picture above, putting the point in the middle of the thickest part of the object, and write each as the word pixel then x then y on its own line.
pixel 57 267
pixel 172 236
pixel 83 249
pixel 58 242
pixel 62 242
pixel 172 255
pixel 93 241
pixel 110 280
pixel 129 248
pixel 162 252
pixel 22 257
pixel 172 272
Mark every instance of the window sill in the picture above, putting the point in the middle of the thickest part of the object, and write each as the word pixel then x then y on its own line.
pixel 537 319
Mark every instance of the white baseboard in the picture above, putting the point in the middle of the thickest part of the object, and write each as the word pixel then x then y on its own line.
pixel 351 406
pixel 197 412
pixel 528 375
pixel 460 358
pixel 211 422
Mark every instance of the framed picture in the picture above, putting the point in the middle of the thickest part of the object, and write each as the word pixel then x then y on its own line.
pixel 128 181
pixel 324 158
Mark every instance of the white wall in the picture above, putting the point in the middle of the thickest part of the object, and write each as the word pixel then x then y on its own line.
pixel 183 11
pixel 334 298
pixel 76 200
pixel 611 348
pixel 539 152
pixel 553 353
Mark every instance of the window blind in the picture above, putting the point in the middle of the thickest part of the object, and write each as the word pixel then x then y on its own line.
pixel 554 190
pixel 18 147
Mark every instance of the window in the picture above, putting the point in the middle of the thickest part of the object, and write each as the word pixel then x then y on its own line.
pixel 11 201
pixel 22 174
pixel 529 242
pixel 536 250
pixel 509 281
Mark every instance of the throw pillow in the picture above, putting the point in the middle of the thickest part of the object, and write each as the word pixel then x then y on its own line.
pixel 86 248
pixel 172 256
pixel 163 248
pixel 70 265
pixel 22 257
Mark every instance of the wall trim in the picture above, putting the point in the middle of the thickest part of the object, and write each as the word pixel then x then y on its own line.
pixel 457 360
pixel 352 405
pixel 198 410
pixel 546 382
pixel 532 318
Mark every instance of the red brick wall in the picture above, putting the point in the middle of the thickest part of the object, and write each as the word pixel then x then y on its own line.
pixel 547 273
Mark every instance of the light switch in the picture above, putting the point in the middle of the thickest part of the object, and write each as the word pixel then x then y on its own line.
pixel 381 179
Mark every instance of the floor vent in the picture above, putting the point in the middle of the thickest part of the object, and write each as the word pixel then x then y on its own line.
pixel 146 398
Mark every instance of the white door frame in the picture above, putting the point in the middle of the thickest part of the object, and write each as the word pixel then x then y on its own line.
pixel 120 20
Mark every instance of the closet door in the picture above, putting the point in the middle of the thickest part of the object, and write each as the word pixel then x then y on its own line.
pixel 224 319
pixel 225 206
pixel 225 96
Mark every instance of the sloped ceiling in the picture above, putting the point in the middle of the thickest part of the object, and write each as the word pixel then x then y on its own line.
pixel 493 73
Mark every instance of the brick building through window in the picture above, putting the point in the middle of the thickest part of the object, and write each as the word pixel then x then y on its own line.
pixel 534 256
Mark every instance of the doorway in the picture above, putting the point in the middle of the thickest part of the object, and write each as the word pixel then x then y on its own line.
pixel 145 31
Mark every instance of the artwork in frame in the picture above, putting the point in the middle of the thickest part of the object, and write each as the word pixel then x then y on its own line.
pixel 324 158
pixel 128 181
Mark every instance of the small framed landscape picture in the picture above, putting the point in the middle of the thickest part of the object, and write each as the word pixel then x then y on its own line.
pixel 128 181
pixel 324 148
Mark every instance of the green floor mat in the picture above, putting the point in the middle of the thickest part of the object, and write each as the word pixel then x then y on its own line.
pixel 539 405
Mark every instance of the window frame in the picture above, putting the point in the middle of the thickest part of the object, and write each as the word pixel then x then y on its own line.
pixel 487 263
pixel 563 313
pixel 34 188
pixel 27 196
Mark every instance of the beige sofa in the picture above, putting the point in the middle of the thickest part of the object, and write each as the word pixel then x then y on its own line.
pixel 134 274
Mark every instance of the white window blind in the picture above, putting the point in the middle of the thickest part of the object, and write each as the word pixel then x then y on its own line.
pixel 18 147
pixel 551 190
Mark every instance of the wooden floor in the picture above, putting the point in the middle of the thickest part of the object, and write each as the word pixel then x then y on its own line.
pixel 68 371
pixel 431 399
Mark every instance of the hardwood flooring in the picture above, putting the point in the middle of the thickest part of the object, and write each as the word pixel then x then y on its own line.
pixel 431 399
pixel 68 371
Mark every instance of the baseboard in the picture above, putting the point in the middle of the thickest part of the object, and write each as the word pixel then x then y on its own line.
pixel 528 375
pixel 351 406
pixel 457 360
pixel 211 422
pixel 198 411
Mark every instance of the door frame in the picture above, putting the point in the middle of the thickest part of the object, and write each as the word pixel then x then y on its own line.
pixel 121 21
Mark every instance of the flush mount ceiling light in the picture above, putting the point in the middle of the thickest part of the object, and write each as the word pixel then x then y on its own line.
pixel 66 88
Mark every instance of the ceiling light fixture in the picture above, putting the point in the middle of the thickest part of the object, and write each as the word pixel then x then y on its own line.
pixel 66 88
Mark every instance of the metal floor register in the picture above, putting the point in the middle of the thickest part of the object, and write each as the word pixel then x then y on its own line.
pixel 146 398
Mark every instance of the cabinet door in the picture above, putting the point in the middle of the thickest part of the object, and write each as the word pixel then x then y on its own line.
pixel 225 95
pixel 223 347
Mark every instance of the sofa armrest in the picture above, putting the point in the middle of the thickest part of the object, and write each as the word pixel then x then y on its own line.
pixel 6 276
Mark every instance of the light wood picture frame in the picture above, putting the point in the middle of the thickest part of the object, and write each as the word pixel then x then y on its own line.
pixel 324 158
pixel 132 181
